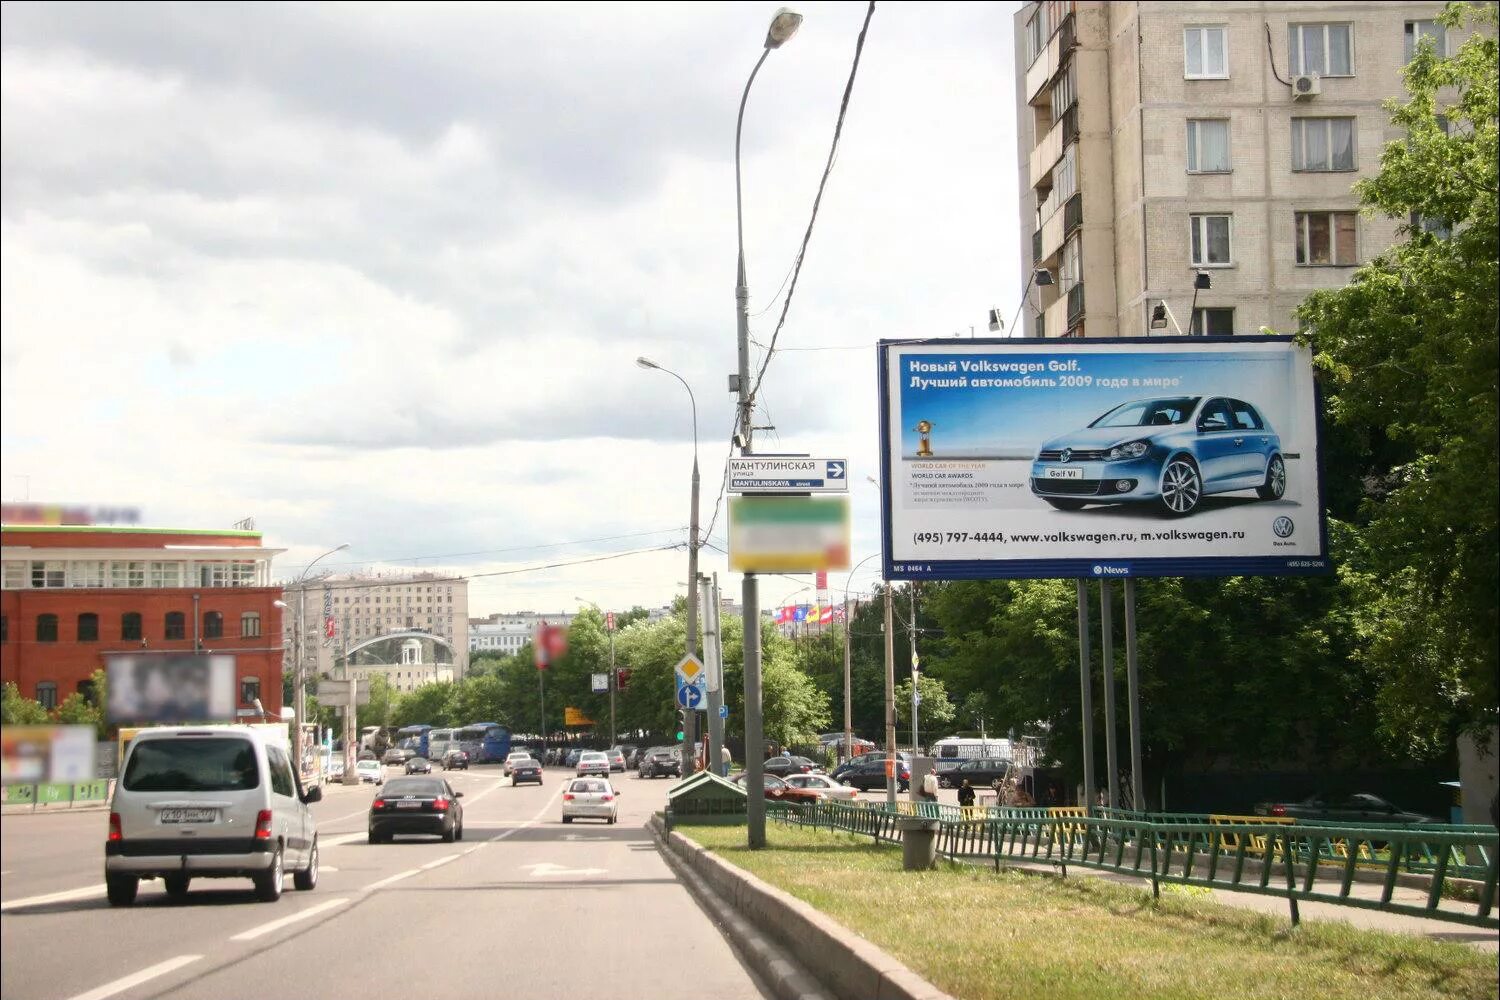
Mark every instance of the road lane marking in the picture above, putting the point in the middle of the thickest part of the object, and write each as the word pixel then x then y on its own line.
pixel 340 839
pixel 548 868
pixel 440 861
pixel 120 985
pixel 54 897
pixel 394 878
pixel 275 925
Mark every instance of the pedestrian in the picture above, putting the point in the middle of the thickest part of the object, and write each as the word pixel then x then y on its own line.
pixel 966 794
pixel 929 788
pixel 725 760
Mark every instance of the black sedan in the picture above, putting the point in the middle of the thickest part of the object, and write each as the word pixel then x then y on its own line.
pixel 455 759
pixel 419 765
pixel 978 772
pixel 417 805
pixel 661 761
pixel 525 769
pixel 786 764
pixel 870 775
pixel 1362 808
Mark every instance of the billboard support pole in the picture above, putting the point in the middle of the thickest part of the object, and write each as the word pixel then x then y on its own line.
pixel 890 700
pixel 1133 694
pixel 755 742
pixel 1086 695
pixel 1107 652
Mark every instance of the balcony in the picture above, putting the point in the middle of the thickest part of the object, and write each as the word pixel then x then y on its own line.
pixel 1036 246
pixel 1072 214
pixel 1047 152
pixel 1075 303
pixel 1047 63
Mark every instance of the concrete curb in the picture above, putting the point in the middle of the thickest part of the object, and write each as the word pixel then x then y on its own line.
pixel 851 967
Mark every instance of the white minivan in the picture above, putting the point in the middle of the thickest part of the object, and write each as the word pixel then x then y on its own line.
pixel 209 802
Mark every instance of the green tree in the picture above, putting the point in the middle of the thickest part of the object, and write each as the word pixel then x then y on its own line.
pixel 934 715
pixel 382 700
pixel 77 710
pixel 1408 354
pixel 430 704
pixel 16 710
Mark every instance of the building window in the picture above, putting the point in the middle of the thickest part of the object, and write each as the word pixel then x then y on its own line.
pixel 250 624
pixel 15 575
pixel 1206 53
pixel 130 625
pixel 1418 30
pixel 1326 239
pixel 88 627
pixel 1037 33
pixel 1324 49
pixel 1322 143
pixel 127 574
pixel 4 628
pixel 213 625
pixel 1064 95
pixel 1211 240
pixel 49 574
pixel 249 690
pixel 176 625
pixel 166 574
pixel 46 628
pixel 86 573
pixel 1208 146
pixel 1212 323
pixel 46 693
pixel 1433 227
pixel 1070 272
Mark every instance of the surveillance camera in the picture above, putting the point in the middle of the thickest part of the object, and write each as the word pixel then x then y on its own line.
pixel 741 441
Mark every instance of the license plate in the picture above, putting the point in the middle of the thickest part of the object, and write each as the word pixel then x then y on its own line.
pixel 408 805
pixel 1064 473
pixel 189 815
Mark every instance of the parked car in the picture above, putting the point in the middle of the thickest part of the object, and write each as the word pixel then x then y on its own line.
pixel 525 769
pixel 632 754
pixel 660 761
pixel 590 798
pixel 843 769
pixel 335 769
pixel 417 805
pixel 571 760
pixel 785 765
pixel 419 765
pixel 370 771
pixel 978 772
pixel 181 788
pixel 779 790
pixel 942 765
pixel 1362 808
pixel 825 786
pixel 455 760
pixel 616 759
pixel 593 762
pixel 398 756
pixel 870 774
pixel 1168 452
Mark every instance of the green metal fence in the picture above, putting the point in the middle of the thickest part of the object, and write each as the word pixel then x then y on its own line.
pixel 1295 861
pixel 56 794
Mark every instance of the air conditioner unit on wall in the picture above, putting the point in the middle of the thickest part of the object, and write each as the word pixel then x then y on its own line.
pixel 1309 85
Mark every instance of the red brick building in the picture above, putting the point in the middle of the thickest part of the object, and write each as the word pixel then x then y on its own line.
pixel 74 594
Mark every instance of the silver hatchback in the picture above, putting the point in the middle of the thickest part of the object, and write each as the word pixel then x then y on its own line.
pixel 209 802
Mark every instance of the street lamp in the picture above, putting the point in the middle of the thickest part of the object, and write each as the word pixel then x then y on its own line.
pixel 783 25
pixel 689 737
pixel 299 691
pixel 848 652
pixel 612 678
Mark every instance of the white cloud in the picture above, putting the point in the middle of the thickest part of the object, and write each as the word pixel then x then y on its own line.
pixel 383 280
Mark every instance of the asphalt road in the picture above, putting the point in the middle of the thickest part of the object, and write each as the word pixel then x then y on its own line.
pixel 523 906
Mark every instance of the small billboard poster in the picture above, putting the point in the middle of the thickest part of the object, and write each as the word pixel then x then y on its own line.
pixel 1190 456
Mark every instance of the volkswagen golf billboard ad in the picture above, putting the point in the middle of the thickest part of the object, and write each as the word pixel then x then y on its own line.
pixel 1146 457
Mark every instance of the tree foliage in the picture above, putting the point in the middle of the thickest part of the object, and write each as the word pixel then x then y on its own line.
pixel 18 710
pixel 1408 354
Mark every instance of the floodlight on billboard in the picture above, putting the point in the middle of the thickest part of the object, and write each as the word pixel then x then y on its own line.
pixel 170 688
pixel 1100 458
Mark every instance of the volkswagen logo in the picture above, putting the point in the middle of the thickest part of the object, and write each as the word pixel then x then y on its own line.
pixel 1283 527
pixel 1067 455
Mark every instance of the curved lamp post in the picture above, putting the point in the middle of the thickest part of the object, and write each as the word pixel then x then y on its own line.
pixel 299 675
pixel 689 731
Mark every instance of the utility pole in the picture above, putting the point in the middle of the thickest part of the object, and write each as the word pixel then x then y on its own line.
pixel 613 683
pixel 916 673
pixel 848 749
pixel 713 662
pixel 690 718
pixel 891 768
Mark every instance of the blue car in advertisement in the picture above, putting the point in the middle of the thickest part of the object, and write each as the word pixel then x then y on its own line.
pixel 1168 452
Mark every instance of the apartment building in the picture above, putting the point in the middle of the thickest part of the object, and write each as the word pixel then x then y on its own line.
pixel 342 611
pixel 1195 161
pixel 507 632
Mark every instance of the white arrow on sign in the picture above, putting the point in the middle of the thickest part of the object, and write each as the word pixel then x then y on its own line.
pixel 835 470
pixel 547 868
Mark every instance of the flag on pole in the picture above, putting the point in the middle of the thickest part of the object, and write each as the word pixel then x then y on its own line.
pixel 825 616
pixel 799 614
pixel 839 613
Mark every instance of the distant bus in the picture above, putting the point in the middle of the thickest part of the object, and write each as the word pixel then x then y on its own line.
pixel 413 738
pixel 484 742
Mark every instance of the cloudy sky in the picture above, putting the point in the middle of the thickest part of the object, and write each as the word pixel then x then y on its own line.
pixel 378 274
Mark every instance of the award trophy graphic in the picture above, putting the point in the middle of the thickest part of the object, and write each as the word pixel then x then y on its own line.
pixel 924 448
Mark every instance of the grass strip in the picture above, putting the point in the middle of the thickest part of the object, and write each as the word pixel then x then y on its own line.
pixel 976 933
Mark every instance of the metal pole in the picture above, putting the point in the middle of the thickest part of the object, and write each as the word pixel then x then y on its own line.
pixel 716 724
pixel 916 674
pixel 299 685
pixel 1086 694
pixel 890 699
pixel 848 748
pixel 755 746
pixel 711 644
pixel 1133 695
pixel 351 757
pixel 613 740
pixel 1107 652
pixel 690 717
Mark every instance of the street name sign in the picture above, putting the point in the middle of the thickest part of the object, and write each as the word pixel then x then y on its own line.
pixel 769 474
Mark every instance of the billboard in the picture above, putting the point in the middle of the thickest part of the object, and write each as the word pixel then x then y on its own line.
pixel 170 688
pixel 30 755
pixel 1193 456
pixel 788 534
